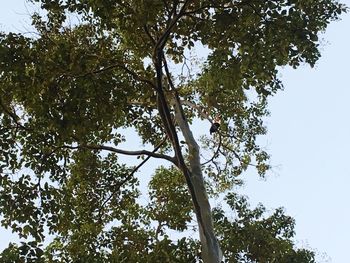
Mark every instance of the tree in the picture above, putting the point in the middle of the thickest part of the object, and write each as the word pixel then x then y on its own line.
pixel 69 92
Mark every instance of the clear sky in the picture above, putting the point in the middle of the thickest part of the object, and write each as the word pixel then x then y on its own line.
pixel 308 138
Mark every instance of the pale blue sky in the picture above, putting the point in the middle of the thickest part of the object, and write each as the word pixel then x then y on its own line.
pixel 308 138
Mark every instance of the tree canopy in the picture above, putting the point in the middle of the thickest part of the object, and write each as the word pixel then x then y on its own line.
pixel 69 93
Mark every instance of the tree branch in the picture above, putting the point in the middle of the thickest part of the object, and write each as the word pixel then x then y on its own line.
pixel 128 177
pixel 125 152
pixel 116 65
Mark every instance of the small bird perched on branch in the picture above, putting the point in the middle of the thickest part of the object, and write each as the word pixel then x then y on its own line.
pixel 216 124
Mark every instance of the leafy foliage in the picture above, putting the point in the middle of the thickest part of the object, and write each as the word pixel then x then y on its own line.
pixel 68 94
pixel 251 237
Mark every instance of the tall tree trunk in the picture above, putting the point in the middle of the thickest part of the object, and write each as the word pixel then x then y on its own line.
pixel 211 251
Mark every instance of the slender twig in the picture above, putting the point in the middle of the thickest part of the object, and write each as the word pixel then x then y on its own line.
pixel 239 158
pixel 185 65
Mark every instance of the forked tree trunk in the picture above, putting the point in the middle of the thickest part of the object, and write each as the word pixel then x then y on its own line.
pixel 211 252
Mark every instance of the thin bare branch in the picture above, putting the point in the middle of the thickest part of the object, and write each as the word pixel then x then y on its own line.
pixel 125 152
